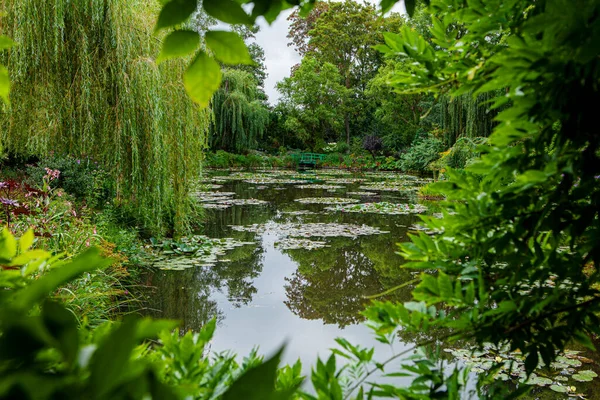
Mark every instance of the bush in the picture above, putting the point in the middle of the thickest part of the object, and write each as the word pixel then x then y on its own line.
pixel 423 151
pixel 373 144
pixel 342 147
pixel 81 177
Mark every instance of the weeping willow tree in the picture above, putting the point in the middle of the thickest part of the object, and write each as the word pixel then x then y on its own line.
pixel 467 116
pixel 240 118
pixel 84 82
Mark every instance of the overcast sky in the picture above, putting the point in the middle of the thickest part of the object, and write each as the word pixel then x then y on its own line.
pixel 279 57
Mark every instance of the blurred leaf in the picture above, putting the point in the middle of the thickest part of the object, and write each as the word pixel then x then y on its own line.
pixel 175 12
pixel 202 78
pixel 62 325
pixel 179 43
pixel 229 11
pixel 228 47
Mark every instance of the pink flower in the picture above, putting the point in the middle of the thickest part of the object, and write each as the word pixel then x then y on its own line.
pixel 87 243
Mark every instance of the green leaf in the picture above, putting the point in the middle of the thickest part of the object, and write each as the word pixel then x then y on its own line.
pixel 26 240
pixel 148 328
pixel 41 288
pixel 228 47
pixel 445 286
pixel 208 330
pixel 257 383
pixel 559 389
pixel 62 326
pixel 8 244
pixel 410 7
pixel 202 78
pixel 6 42
pixel 584 339
pixel 386 5
pixel 179 43
pixel 175 12
pixel 229 11
pixel 111 359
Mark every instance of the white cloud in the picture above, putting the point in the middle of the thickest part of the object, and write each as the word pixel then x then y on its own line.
pixel 279 58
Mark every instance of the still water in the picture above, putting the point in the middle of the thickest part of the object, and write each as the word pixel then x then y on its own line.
pixel 265 296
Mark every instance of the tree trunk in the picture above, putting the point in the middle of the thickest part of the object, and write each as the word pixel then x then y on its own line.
pixel 347 124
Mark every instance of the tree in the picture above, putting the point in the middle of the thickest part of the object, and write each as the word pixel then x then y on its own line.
pixel 344 35
pixel 94 89
pixel 240 117
pixel 300 27
pixel 314 95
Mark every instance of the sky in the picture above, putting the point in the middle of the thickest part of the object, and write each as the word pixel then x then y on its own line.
pixel 279 58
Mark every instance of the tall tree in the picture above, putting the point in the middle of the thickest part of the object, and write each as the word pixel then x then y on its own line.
pixel 85 82
pixel 314 95
pixel 344 35
pixel 240 117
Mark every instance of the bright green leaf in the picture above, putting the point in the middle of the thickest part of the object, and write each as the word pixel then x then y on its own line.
pixel 179 43
pixel 228 47
pixel 202 78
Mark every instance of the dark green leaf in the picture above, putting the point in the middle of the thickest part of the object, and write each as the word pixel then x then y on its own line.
pixel 175 12
pixel 257 383
pixel 62 325
pixel 410 7
pixel 229 11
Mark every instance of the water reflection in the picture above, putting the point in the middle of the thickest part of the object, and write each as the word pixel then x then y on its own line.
pixel 263 295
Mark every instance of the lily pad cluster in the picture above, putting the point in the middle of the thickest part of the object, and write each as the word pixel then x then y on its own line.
pixel 389 186
pixel 205 197
pixel 317 186
pixel 296 244
pixel 267 181
pixel 193 251
pixel 347 181
pixel 381 208
pixel 364 194
pixel 317 229
pixel 326 200
pixel 299 212
pixel 560 376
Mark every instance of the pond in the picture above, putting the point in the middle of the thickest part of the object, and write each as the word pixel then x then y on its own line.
pixel 310 255
pixel 292 257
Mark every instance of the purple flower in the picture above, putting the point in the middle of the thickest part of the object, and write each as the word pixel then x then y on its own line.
pixel 3 185
pixel 78 161
pixel 9 202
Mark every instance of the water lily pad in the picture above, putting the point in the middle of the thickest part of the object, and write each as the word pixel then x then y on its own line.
pixel 559 388
pixel 381 208
pixel 326 200
pixel 585 376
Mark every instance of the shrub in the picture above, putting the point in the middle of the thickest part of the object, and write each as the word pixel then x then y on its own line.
pixel 82 177
pixel 423 151
pixel 373 144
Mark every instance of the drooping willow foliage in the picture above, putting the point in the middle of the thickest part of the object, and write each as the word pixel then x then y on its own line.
pixel 240 118
pixel 85 83
pixel 467 116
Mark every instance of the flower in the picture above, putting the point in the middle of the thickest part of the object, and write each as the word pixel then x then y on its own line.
pixel 9 202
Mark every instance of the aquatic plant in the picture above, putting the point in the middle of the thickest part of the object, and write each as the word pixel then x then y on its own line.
pixel 326 200
pixel 380 208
